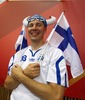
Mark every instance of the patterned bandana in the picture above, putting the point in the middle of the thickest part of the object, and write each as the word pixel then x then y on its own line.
pixel 38 17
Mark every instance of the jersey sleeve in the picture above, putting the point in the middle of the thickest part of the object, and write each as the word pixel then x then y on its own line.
pixel 57 72
pixel 15 59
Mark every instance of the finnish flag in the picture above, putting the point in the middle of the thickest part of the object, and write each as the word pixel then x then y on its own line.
pixel 22 40
pixel 61 36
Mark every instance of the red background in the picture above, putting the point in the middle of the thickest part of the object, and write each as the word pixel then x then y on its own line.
pixel 11 16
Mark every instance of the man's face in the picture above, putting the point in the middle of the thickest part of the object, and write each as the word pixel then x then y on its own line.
pixel 36 30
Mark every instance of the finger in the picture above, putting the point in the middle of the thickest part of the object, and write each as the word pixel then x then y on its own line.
pixel 37 66
pixel 36 73
pixel 15 66
pixel 36 69
pixel 33 65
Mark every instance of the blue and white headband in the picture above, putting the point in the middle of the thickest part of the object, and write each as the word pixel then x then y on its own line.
pixel 47 22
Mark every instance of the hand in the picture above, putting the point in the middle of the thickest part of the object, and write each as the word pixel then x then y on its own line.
pixel 32 70
pixel 16 72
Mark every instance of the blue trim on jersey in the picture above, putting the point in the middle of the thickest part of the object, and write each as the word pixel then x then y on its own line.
pixel 11 64
pixel 65 80
pixel 34 53
pixel 58 70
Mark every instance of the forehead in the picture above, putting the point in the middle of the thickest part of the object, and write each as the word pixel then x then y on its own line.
pixel 36 21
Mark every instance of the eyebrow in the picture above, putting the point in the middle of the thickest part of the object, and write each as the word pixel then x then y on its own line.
pixel 36 23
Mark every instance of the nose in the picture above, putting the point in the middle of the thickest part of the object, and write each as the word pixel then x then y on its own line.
pixel 34 26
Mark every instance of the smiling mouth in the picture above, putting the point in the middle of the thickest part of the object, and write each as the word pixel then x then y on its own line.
pixel 34 33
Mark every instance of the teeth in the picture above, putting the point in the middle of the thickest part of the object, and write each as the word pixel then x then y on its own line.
pixel 35 33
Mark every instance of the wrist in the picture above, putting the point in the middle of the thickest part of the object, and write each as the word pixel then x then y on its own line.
pixel 24 72
pixel 28 75
pixel 20 76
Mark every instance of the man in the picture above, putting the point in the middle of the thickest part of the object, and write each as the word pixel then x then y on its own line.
pixel 40 73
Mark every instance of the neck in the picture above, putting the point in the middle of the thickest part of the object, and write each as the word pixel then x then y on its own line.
pixel 37 45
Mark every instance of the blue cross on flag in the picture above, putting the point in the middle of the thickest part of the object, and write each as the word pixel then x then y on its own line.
pixel 61 36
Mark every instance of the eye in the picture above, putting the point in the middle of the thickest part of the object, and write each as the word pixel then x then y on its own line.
pixel 30 25
pixel 39 24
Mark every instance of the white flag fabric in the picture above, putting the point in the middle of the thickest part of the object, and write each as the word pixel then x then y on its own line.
pixel 22 40
pixel 61 36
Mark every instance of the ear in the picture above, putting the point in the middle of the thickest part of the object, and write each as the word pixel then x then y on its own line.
pixel 45 29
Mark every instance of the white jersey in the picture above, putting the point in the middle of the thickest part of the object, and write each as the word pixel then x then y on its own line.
pixel 52 69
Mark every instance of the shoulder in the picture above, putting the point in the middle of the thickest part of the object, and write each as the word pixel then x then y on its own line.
pixel 21 51
pixel 17 55
pixel 54 49
pixel 54 52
